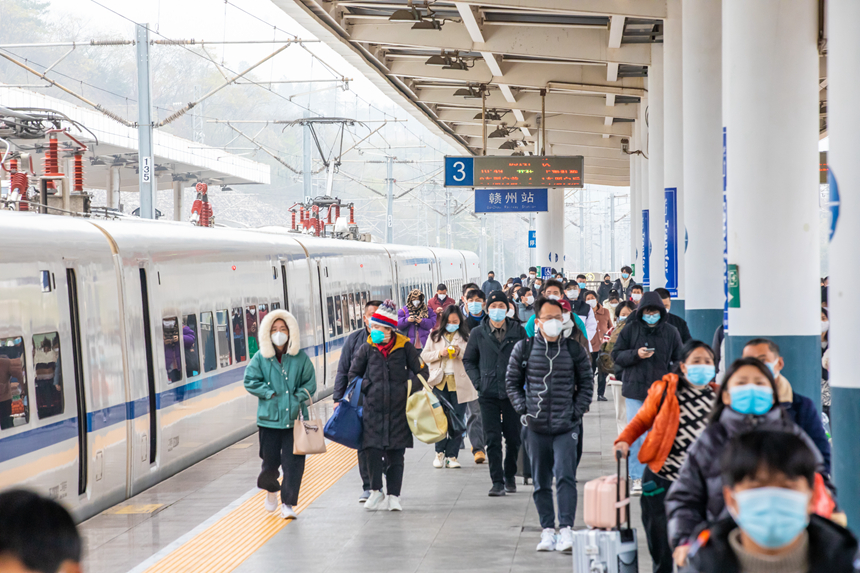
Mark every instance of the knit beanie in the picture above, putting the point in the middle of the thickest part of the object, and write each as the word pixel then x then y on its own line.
pixel 385 315
pixel 497 296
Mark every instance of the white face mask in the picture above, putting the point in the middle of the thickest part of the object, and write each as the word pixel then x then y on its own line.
pixel 591 302
pixel 529 299
pixel 565 317
pixel 553 297
pixel 532 275
pixel 510 313
pixel 573 293
pixel 825 326
pixel 416 303
pixel 442 296
pixel 613 305
pixel 636 296
pixel 279 338
pixel 551 328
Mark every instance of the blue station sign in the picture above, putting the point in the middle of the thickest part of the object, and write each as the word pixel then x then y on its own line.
pixel 510 200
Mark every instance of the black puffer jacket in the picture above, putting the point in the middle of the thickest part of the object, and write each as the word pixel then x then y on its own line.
pixel 486 359
pixel 696 497
pixel 831 548
pixel 384 389
pixel 639 373
pixel 555 387
pixel 347 353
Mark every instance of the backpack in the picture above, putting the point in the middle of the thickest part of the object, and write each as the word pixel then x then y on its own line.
pixel 528 344
pixel 604 357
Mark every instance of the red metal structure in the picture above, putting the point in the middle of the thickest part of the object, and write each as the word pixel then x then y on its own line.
pixel 201 210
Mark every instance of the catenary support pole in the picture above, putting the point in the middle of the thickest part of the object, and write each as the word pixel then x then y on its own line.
pixel 389 219
pixel 177 200
pixel 673 157
pixel 146 161
pixel 703 205
pixel 772 189
pixel 656 194
pixel 844 129
pixel 307 164
pixel 611 232
pixel 448 239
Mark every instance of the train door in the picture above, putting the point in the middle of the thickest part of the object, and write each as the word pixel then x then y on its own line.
pixel 286 287
pixel 80 393
pixel 324 321
pixel 150 367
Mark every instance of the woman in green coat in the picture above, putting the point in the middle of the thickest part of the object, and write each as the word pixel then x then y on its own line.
pixel 283 379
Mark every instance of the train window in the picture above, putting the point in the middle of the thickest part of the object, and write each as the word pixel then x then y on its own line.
pixel 361 303
pixel 347 312
pixel 251 322
pixel 276 305
pixel 286 289
pixel 15 404
pixel 189 337
pixel 262 311
pixel 207 342
pixel 353 311
pixel 46 281
pixel 239 335
pixel 331 319
pixel 338 310
pixel 49 374
pixel 172 349
pixel 222 332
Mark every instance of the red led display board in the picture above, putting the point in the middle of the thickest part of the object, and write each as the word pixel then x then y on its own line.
pixel 529 171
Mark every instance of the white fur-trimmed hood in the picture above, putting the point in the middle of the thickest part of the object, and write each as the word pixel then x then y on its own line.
pixel 267 349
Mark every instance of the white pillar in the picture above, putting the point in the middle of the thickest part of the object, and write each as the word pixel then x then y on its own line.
pixel 844 130
pixel 673 157
pixel 656 195
pixel 550 232
pixel 643 193
pixel 770 114
pixel 635 186
pixel 177 200
pixel 703 187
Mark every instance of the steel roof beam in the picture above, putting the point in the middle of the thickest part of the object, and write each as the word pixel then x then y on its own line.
pixel 564 123
pixel 529 102
pixel 647 9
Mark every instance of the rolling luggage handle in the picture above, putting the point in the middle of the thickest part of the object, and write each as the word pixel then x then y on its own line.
pixel 618 503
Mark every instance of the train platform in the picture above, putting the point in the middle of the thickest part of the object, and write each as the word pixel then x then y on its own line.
pixel 210 517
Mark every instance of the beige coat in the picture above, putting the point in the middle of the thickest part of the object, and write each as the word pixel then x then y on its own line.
pixel 430 354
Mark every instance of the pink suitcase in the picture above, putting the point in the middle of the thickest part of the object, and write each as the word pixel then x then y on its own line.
pixel 605 508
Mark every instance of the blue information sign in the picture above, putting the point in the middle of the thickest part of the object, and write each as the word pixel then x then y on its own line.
pixel 459 171
pixel 670 259
pixel 646 250
pixel 510 200
pixel 532 239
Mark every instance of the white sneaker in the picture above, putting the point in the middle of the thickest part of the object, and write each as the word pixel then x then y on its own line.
pixel 636 487
pixel 452 463
pixel 271 503
pixel 547 540
pixel 375 501
pixel 439 461
pixel 565 540
pixel 394 503
pixel 287 512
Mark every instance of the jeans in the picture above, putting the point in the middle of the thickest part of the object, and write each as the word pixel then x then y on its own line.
pixel 601 377
pixel 475 426
pixel 364 470
pixel 636 467
pixel 554 456
pixel 654 520
pixel 451 444
pixel 500 419
pixel 389 462
pixel 276 449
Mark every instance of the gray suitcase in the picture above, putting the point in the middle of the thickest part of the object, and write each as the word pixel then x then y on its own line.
pixel 607 551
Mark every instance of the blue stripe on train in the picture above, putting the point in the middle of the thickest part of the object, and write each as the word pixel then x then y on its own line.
pixel 45 436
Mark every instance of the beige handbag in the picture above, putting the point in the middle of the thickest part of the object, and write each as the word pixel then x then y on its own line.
pixel 308 435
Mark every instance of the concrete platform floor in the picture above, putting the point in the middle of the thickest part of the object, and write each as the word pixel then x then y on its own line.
pixel 448 523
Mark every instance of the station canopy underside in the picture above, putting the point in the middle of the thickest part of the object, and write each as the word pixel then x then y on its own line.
pixel 591 56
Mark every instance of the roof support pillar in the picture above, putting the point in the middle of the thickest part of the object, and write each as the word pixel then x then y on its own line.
pixel 656 194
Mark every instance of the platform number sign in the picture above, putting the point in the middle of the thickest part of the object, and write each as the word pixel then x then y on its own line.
pixel 459 171
pixel 146 170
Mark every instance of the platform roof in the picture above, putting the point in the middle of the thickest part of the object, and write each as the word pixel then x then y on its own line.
pixel 590 55
pixel 176 158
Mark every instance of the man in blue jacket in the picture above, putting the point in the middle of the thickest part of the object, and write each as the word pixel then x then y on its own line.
pixel 341 381
pixel 800 408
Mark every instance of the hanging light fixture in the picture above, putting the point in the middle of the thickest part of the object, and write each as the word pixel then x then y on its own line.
pixel 500 131
pixel 510 144
pixel 410 14
pixel 492 115
pixel 442 60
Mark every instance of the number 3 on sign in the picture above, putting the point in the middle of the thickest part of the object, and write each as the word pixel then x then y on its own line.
pixel 459 171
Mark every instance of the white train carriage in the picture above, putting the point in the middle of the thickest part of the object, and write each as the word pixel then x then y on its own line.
pixel 123 344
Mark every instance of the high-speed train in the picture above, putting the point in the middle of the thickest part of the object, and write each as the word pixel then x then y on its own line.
pixel 123 343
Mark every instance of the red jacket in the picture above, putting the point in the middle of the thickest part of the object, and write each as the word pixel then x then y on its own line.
pixel 439 305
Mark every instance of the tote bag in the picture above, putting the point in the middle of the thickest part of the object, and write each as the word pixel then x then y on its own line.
pixel 308 437
pixel 425 414
pixel 345 425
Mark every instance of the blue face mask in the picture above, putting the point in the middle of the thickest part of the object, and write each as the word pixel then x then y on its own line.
pixel 452 327
pixel 625 275
pixel 622 319
pixel 651 319
pixel 701 374
pixel 475 308
pixel 377 336
pixel 772 516
pixel 752 399
pixel 497 314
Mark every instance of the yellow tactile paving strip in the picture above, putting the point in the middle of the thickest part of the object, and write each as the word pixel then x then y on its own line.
pixel 227 543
